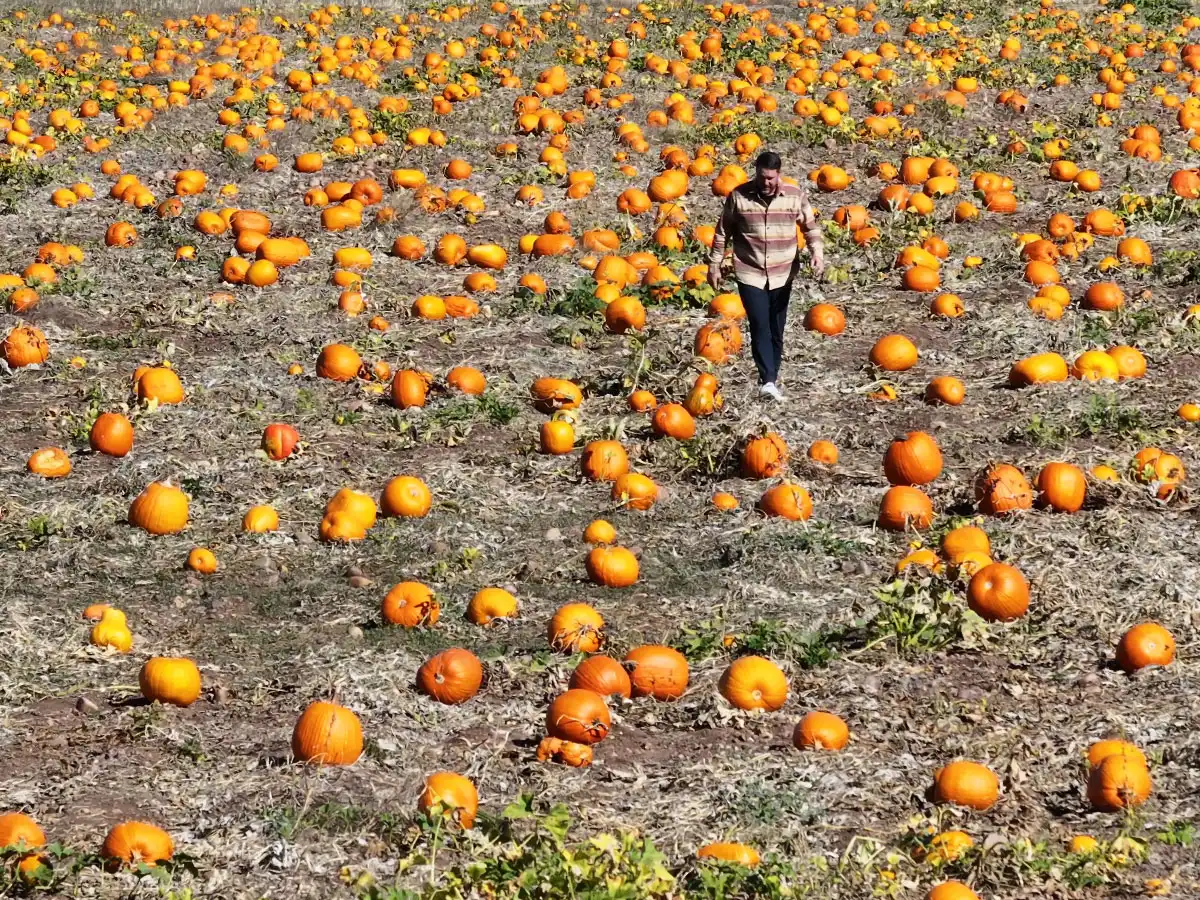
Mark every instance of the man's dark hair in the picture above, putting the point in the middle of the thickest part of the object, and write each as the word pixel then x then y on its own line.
pixel 769 159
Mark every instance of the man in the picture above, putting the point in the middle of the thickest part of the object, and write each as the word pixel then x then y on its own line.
pixel 760 219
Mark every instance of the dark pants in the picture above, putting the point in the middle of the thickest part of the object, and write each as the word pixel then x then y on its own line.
pixel 766 314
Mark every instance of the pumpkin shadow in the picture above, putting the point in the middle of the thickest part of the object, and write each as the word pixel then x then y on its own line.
pixel 130 703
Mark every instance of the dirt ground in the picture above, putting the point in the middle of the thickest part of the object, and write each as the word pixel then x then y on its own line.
pixel 288 619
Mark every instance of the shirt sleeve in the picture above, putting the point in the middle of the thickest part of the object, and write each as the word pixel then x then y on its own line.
pixel 720 238
pixel 809 224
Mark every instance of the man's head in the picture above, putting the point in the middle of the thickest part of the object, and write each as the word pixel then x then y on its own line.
pixel 766 173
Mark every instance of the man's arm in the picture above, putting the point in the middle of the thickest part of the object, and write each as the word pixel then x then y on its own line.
pixel 813 237
pixel 717 252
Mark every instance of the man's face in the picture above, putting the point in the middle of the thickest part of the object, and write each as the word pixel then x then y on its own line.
pixel 767 181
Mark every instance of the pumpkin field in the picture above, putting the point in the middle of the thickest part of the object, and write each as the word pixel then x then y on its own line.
pixel 388 510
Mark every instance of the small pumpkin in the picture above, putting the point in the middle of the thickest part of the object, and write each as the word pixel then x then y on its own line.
pixel 820 730
pixel 452 676
pixel 279 440
pixel 260 520
pixel 24 345
pixel 604 460
pixel 600 531
pixel 905 507
pixel 1147 644
pixel 137 843
pixel 161 508
pixel 673 420
pixel 754 682
pixel 112 631
pixel 635 491
pixel 998 593
pixel 914 459
pixel 579 715
pixel 567 753
pixel 1002 489
pixel 612 566
pixel 1062 487
pixel 951 890
pixel 739 854
pixel 788 501
pixel 406 496
pixel 49 462
pixel 160 384
pixel 172 680
pixel 338 362
pixel 576 628
pixel 550 394
pixel 450 796
pixel 111 434
pixel 490 604
pixel 657 671
pixel 327 734
pixel 410 388
pixel 894 353
pixel 966 783
pixel 411 604
pixel 604 675
pixel 765 457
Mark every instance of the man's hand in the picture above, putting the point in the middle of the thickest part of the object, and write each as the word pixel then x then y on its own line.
pixel 714 275
pixel 818 263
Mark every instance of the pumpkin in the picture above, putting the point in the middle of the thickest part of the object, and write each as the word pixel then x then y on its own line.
pixel 170 680
pixel 657 671
pixel 823 452
pixel 718 341
pixel 826 319
pixel 788 501
pixel 160 384
pixel 202 560
pixel 894 353
pixel 137 843
pixel 111 434
pixel 279 440
pixel 604 461
pixel 576 628
pixel 913 459
pixel 410 388
pixel 112 631
pixel 337 362
pixel 1001 489
pixel 490 604
pixel 963 540
pixel 635 491
pixel 1104 296
pixel 468 380
pixel 612 567
pixel 579 715
pixel 406 496
pixel 820 730
pixel 327 734
pixel 161 508
pixel 550 394
pixel 452 676
pixel 450 796
pixel 624 314
pixel 599 531
pixel 604 675
pixel 49 462
pixel 411 604
pixel 965 783
pixel 1121 781
pixel 1147 644
pixel 951 890
pixel 20 832
pixel 945 389
pixel 905 507
pixel 1130 361
pixel 1062 487
pixel 765 457
pixel 1042 368
pixel 568 753
pixel 998 593
pixel 673 420
pixel 355 505
pixel 754 682
pixel 739 854
pixel 1154 467
pixel 260 520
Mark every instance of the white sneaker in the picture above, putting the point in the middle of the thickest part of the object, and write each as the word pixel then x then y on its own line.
pixel 770 390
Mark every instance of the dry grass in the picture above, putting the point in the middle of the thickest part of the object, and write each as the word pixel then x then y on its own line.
pixel 282 623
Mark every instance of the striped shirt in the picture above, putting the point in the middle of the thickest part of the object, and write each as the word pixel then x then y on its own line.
pixel 762 231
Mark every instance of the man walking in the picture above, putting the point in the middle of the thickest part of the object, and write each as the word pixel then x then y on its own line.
pixel 759 220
